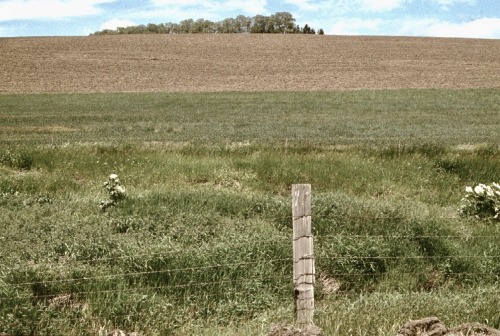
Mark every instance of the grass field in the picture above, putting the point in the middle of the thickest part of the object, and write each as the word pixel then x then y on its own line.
pixel 385 117
pixel 201 245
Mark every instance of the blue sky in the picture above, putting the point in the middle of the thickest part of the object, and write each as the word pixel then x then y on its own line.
pixel 441 18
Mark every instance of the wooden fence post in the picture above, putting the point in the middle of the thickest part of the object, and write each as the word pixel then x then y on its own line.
pixel 303 257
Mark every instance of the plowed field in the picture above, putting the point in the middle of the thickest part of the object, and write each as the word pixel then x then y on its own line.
pixel 196 63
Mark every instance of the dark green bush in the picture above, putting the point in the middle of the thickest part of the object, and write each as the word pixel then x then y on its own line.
pixel 17 159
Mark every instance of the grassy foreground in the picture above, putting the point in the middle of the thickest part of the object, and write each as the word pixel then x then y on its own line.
pixel 201 245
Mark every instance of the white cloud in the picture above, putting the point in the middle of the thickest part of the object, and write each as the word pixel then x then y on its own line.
pixel 380 5
pixel 247 7
pixel 177 10
pixel 342 7
pixel 213 6
pixel 480 28
pixel 43 9
pixel 180 2
pixel 115 23
pixel 446 4
pixel 304 5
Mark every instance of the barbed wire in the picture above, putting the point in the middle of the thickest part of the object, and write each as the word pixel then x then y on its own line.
pixel 246 263
pixel 413 273
pixel 410 257
pixel 132 274
pixel 341 215
pixel 356 236
pixel 227 294
pixel 210 247
pixel 67 258
pixel 132 317
pixel 235 265
pixel 226 287
pixel 462 293
pixel 137 288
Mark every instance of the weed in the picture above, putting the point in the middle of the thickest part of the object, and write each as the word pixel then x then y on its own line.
pixel 21 160
pixel 116 192
pixel 482 201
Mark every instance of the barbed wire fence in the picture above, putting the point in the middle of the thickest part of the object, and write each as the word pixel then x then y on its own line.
pixel 291 278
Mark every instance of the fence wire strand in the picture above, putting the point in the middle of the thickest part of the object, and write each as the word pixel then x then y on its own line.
pixel 466 237
pixel 227 288
pixel 139 288
pixel 221 244
pixel 134 274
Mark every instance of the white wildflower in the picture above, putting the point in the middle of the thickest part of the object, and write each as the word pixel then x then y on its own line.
pixel 489 191
pixel 479 189
pixel 497 186
pixel 482 201
pixel 115 190
pixel 120 189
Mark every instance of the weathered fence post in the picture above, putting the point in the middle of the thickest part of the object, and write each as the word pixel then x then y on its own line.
pixel 303 257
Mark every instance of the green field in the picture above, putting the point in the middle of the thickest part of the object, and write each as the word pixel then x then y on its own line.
pixel 443 117
pixel 201 245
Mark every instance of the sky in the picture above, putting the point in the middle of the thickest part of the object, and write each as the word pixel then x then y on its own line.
pixel 436 18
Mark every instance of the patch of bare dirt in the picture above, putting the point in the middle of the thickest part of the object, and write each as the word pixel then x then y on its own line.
pixel 244 62
pixel 282 329
pixel 38 129
pixel 118 332
pixel 432 326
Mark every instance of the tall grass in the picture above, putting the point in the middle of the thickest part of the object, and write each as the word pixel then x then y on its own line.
pixel 202 242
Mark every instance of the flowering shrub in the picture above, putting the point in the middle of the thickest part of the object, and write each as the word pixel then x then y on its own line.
pixel 482 201
pixel 115 190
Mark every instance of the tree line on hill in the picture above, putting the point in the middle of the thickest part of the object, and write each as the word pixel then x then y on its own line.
pixel 280 22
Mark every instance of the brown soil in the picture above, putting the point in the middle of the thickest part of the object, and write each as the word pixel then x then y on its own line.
pixel 197 63
pixel 282 329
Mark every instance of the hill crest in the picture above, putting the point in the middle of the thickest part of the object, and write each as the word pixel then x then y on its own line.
pixel 244 62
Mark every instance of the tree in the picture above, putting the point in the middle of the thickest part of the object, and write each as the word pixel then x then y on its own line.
pixel 282 22
pixel 153 28
pixel 228 26
pixel 140 29
pixel 308 30
pixel 186 26
pixel 203 26
pixel 279 22
pixel 243 23
pixel 260 24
